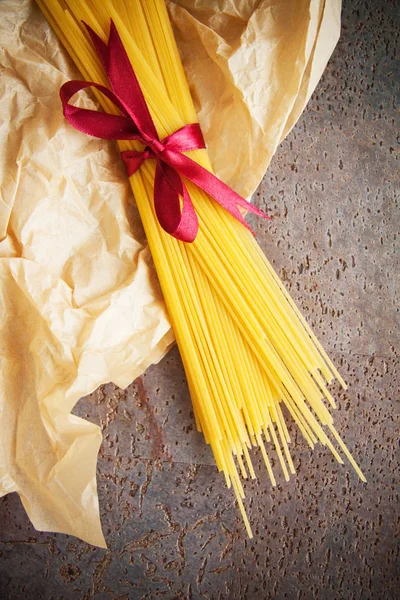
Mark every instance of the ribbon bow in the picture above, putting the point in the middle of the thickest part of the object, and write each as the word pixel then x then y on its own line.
pixel 135 123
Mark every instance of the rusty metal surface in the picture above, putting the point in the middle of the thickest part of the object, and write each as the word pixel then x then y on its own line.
pixel 172 527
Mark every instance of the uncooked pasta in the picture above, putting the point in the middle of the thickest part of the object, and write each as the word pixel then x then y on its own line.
pixel 250 358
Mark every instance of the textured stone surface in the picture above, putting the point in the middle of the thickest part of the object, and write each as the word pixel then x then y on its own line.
pixel 172 527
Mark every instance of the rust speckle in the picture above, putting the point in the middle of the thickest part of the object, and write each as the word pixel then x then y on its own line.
pixel 70 572
pixel 154 430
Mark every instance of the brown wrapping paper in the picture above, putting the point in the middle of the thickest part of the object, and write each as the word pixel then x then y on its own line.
pixel 80 302
pixel 252 66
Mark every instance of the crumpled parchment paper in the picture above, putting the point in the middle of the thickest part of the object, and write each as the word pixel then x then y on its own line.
pixel 80 301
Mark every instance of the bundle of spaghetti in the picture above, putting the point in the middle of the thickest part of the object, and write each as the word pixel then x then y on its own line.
pixel 246 349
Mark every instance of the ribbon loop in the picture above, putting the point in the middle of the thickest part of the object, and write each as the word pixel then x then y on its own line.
pixel 172 202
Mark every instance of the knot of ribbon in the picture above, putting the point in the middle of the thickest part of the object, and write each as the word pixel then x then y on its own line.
pixel 173 205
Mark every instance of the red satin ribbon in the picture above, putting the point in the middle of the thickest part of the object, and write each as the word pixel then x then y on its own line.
pixel 135 123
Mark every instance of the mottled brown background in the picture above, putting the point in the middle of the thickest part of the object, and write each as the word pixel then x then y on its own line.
pixel 173 529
